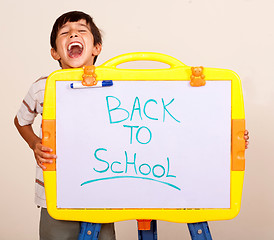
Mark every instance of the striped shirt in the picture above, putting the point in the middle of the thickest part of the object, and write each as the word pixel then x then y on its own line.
pixel 31 106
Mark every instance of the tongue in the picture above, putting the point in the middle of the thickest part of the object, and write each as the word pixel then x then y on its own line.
pixel 75 51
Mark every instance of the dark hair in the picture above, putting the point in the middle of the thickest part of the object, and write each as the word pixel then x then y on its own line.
pixel 75 16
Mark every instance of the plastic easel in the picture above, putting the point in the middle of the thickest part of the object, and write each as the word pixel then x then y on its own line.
pixel 89 231
pixel 147 230
pixel 178 72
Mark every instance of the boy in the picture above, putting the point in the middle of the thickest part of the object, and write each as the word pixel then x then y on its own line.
pixel 76 41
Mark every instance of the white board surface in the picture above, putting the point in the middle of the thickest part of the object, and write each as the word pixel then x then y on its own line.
pixel 143 144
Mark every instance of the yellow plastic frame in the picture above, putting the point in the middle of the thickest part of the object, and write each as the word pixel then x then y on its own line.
pixel 177 71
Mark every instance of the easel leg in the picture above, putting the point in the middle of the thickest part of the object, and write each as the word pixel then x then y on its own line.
pixel 89 231
pixel 199 231
pixel 149 234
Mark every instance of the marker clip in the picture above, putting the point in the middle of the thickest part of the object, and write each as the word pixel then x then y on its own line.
pixel 197 78
pixel 89 76
pixel 105 83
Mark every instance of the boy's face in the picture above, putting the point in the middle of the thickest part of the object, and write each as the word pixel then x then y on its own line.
pixel 74 45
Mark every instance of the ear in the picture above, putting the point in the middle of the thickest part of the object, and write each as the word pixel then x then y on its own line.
pixel 54 54
pixel 97 49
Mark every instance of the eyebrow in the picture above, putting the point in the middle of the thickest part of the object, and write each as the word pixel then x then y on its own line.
pixel 80 24
pixel 83 25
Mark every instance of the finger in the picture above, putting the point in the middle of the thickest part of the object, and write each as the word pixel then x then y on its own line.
pixel 45 148
pixel 41 166
pixel 246 137
pixel 44 160
pixel 46 155
pixel 246 132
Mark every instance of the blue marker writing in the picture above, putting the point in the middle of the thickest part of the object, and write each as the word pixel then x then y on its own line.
pixel 106 83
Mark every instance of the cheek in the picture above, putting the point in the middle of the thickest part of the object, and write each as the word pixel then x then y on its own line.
pixel 89 50
pixel 62 51
pixel 89 42
pixel 60 44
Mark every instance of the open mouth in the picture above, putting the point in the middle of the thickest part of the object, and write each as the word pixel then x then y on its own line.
pixel 75 49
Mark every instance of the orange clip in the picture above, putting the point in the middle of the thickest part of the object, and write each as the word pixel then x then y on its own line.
pixel 144 224
pixel 238 145
pixel 197 77
pixel 89 76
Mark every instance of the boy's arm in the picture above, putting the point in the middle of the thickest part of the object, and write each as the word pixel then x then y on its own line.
pixel 42 153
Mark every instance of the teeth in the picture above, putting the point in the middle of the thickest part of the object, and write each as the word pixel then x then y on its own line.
pixel 74 44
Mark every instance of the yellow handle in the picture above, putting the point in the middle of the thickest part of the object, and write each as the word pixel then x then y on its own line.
pixel 143 56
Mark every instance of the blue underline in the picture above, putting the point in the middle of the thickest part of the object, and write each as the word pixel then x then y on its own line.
pixel 109 178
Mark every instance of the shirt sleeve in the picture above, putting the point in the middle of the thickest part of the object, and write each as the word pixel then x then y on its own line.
pixel 27 111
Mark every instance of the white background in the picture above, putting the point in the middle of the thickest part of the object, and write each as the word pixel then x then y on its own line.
pixel 236 35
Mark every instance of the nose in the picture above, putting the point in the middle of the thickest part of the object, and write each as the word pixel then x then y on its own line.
pixel 73 35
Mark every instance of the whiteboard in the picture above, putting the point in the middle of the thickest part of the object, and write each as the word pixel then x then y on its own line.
pixel 143 144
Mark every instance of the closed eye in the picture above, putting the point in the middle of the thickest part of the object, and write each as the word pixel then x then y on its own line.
pixel 63 33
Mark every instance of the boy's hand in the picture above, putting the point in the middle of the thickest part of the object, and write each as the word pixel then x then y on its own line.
pixel 42 154
pixel 246 138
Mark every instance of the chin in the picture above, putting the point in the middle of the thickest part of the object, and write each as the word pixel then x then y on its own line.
pixel 77 64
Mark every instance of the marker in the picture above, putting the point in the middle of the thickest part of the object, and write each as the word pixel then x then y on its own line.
pixel 106 83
